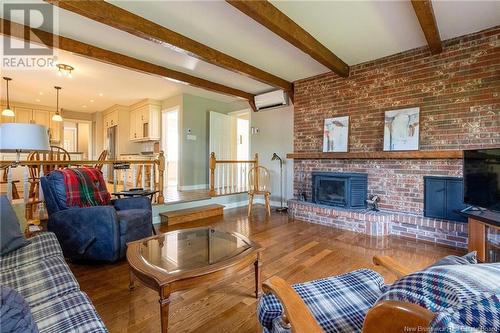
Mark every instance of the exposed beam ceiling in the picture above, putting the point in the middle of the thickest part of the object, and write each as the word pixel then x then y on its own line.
pixel 18 31
pixel 273 19
pixel 136 25
pixel 425 15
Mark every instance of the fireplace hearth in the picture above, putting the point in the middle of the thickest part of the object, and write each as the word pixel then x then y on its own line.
pixel 340 189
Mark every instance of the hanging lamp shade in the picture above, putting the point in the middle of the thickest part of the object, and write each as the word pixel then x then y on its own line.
pixel 8 112
pixel 57 116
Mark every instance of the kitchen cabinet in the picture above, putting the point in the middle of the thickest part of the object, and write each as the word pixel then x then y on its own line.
pixel 41 117
pixel 111 119
pixel 23 115
pixel 145 121
pixel 135 132
pixel 27 115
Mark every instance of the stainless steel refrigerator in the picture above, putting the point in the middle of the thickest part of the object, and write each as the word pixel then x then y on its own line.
pixel 111 146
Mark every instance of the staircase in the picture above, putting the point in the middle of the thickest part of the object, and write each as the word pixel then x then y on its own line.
pixel 191 214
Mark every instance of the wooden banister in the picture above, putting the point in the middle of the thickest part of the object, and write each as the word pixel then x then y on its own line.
pixel 211 164
pixel 32 191
pixel 229 176
pixel 161 170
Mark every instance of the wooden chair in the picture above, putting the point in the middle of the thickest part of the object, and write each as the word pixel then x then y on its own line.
pixel 55 154
pixel 101 159
pixel 15 192
pixel 385 316
pixel 259 184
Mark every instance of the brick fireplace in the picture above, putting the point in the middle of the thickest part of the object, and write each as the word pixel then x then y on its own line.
pixel 458 93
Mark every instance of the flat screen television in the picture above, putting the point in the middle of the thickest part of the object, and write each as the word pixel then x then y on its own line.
pixel 482 178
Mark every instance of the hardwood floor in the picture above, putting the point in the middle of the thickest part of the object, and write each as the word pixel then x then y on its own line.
pixel 295 250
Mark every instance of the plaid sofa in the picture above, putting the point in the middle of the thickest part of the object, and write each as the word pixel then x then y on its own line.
pixel 39 273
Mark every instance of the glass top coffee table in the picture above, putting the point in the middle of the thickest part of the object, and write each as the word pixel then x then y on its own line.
pixel 186 258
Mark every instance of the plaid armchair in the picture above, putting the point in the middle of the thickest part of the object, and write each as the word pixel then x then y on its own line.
pixel 448 299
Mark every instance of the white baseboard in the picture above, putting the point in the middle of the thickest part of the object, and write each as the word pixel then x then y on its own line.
pixel 235 204
pixel 193 187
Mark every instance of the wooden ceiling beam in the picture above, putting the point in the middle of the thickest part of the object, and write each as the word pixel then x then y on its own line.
pixel 425 14
pixel 273 19
pixel 16 30
pixel 136 25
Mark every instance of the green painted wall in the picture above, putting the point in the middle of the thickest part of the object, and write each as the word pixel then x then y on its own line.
pixel 194 154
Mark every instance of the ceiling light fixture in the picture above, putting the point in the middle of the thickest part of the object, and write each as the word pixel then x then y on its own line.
pixel 8 112
pixel 57 116
pixel 65 70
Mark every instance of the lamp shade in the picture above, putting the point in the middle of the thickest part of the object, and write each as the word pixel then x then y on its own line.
pixel 8 112
pixel 23 137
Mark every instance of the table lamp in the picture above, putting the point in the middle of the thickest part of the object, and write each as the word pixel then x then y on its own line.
pixel 23 138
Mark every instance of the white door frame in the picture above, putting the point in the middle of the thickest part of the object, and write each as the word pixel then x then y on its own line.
pixel 91 136
pixel 177 108
pixel 240 112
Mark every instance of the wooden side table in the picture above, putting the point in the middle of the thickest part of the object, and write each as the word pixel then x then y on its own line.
pixel 484 228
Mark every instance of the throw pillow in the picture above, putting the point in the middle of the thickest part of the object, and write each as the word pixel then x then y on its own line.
pixel 469 258
pixel 464 296
pixel 15 313
pixel 11 237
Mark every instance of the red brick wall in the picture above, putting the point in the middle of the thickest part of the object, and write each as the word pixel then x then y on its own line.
pixel 458 92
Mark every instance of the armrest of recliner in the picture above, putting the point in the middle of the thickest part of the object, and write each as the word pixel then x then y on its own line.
pixel 80 229
pixel 132 203
pixel 296 311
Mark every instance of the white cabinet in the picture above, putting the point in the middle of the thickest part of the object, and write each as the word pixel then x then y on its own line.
pixel 23 115
pixel 111 119
pixel 145 120
pixel 27 115
pixel 135 125
pixel 41 117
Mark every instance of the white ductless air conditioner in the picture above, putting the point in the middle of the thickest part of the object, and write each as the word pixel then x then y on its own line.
pixel 271 100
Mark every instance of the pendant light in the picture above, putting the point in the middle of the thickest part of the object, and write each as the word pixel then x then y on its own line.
pixel 57 116
pixel 8 112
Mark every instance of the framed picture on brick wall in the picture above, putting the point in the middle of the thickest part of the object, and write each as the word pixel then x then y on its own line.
pixel 401 129
pixel 336 134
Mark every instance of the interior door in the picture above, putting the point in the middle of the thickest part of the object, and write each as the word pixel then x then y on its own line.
pixel 222 136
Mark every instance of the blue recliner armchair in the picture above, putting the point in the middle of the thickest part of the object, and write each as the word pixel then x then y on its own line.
pixel 95 233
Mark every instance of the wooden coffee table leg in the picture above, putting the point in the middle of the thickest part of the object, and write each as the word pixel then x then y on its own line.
pixel 131 283
pixel 258 271
pixel 164 304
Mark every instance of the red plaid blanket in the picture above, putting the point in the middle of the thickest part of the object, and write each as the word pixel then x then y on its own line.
pixel 85 187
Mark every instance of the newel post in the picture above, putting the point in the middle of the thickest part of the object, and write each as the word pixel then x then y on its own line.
pixel 161 171
pixel 211 164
